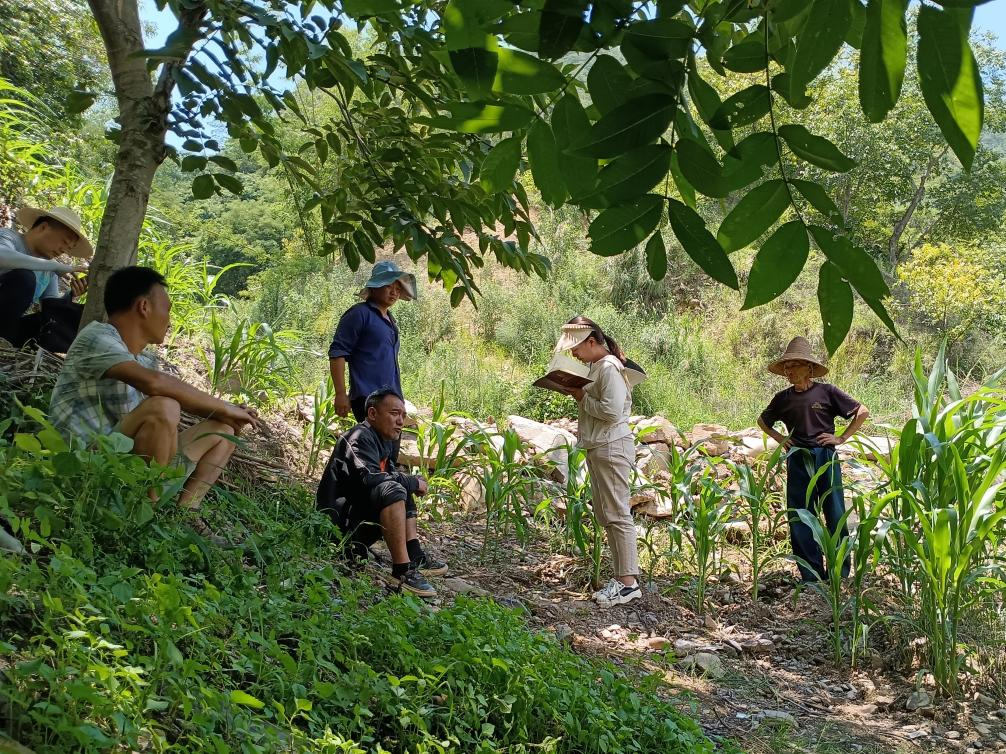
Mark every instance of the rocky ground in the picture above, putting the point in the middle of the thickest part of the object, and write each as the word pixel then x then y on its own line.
pixel 758 673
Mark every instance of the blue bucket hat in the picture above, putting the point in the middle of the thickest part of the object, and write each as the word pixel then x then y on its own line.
pixel 387 272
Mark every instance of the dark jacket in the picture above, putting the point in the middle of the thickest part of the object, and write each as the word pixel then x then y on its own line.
pixel 361 477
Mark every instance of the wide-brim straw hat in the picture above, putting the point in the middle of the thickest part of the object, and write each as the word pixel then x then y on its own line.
pixel 386 273
pixel 799 350
pixel 28 216
pixel 572 336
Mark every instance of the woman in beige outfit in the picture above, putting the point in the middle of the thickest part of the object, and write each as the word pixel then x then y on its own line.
pixel 604 434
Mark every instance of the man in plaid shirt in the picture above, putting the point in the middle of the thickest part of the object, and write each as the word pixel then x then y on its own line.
pixel 109 383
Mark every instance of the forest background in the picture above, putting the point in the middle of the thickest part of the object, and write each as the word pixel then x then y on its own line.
pixel 935 230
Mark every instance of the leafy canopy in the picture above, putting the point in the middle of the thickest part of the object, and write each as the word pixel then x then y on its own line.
pixel 608 101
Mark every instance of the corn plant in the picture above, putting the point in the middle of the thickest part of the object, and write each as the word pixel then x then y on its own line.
pixel 708 514
pixel 438 440
pixel 318 432
pixel 945 481
pixel 499 469
pixel 756 491
pixel 253 361
pixel 582 528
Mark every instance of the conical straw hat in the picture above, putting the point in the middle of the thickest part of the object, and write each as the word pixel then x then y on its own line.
pixel 28 216
pixel 799 350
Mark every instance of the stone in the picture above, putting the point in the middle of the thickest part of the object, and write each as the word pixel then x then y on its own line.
pixel 544 440
pixel 656 429
pixel 563 632
pixel 982 729
pixel 918 699
pixel 460 586
pixel 776 714
pixel 953 735
pixel 653 504
pixel 686 647
pixel 658 643
pixel 714 439
pixel 704 662
pixel 752 444
pixel 653 458
pixel 9 543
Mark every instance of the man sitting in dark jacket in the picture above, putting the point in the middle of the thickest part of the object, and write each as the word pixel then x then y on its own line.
pixel 367 497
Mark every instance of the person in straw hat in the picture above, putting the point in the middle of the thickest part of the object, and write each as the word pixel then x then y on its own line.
pixel 808 409
pixel 367 339
pixel 28 266
pixel 605 405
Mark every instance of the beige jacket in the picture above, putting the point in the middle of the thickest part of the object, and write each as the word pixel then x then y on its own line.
pixel 606 404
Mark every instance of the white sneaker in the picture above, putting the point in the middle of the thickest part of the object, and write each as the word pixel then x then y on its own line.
pixel 616 593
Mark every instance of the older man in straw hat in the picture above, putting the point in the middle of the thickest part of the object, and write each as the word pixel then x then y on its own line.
pixel 808 409
pixel 28 266
pixel 367 338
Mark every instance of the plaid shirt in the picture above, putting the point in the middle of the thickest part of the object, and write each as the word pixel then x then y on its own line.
pixel 84 401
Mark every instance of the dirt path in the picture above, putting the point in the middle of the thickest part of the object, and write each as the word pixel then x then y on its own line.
pixel 758 673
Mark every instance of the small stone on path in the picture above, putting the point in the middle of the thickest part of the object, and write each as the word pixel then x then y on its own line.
pixel 919 699
pixel 706 662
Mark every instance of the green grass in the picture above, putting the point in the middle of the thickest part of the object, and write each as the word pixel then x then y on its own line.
pixel 125 630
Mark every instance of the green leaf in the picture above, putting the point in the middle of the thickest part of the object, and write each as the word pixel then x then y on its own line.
pixel 366 8
pixel 700 168
pixel 466 22
pixel 229 182
pixel 685 189
pixel 561 23
pixel 754 214
pixel 834 296
pixel 521 30
pixel 203 186
pixel 618 229
pixel 225 162
pixel 634 173
pixel 245 699
pixel 819 200
pixel 656 257
pixel 816 150
pixel 648 46
pixel 475 66
pixel 700 245
pixel 778 264
pixel 570 122
pixel 795 97
pixel 950 80
pixel 608 84
pixel 748 56
pixel 78 100
pixel 545 163
pixel 193 162
pixel 639 121
pixel 521 73
pixel 743 108
pixel 857 266
pixel 481 118
pixel 882 62
pixel 500 166
pixel 819 41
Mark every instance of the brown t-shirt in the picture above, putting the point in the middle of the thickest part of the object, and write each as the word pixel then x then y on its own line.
pixel 810 413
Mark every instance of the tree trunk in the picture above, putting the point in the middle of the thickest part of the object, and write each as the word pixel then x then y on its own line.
pixel 893 250
pixel 143 119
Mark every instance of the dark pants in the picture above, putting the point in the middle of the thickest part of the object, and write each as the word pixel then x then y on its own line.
pixel 360 520
pixel 17 290
pixel 801 466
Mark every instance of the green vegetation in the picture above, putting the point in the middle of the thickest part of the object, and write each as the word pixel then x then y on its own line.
pixel 125 629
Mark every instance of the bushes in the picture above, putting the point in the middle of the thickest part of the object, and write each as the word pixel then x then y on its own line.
pixel 125 630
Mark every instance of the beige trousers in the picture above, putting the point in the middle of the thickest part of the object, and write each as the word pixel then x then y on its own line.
pixel 609 466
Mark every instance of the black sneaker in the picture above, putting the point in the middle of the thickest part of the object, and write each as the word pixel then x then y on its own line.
pixel 429 565
pixel 413 581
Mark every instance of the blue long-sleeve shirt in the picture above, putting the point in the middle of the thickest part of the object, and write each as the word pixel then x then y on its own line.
pixel 369 343
pixel 15 255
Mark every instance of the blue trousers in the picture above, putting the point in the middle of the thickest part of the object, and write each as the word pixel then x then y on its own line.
pixel 801 466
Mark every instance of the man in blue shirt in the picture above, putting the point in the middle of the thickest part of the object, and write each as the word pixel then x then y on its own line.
pixel 28 266
pixel 367 338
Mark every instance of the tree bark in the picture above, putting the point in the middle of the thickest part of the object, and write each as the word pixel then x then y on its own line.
pixel 143 121
pixel 893 255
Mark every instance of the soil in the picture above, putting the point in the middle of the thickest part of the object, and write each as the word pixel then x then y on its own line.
pixel 773 686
